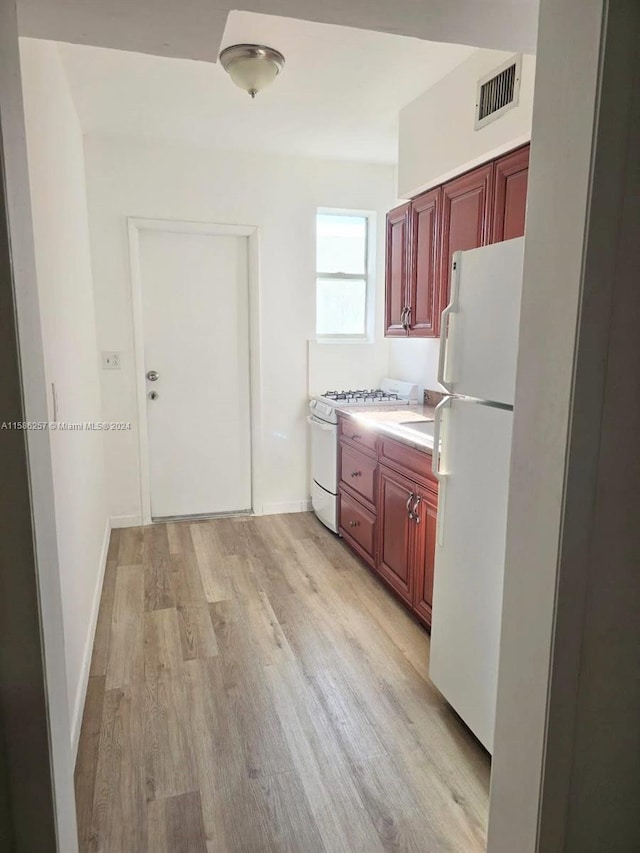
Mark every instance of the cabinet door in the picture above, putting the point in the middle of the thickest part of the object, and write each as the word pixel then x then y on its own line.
pixel 396 271
pixel 396 496
pixel 358 527
pixel 510 204
pixel 359 473
pixel 424 296
pixel 425 554
pixel 466 215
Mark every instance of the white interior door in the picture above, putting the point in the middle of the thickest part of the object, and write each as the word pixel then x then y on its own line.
pixel 469 562
pixel 480 350
pixel 195 308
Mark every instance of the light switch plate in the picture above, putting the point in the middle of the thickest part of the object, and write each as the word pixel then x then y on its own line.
pixel 111 361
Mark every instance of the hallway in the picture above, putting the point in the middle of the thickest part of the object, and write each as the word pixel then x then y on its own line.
pixel 254 688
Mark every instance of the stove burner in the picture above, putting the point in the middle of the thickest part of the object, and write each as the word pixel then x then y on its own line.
pixel 403 394
pixel 362 395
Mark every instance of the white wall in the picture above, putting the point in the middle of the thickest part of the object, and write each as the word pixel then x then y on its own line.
pixel 355 365
pixel 280 196
pixel 437 139
pixel 415 360
pixel 65 289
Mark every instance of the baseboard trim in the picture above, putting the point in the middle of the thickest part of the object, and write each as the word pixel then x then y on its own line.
pixel 118 521
pixel 288 507
pixel 81 695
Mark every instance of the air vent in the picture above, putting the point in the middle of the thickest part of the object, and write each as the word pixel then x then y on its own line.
pixel 498 92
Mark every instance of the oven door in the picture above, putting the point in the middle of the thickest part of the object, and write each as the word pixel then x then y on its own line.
pixel 324 454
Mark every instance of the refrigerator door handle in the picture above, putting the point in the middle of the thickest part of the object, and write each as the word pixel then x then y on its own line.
pixel 438 473
pixel 444 366
pixel 437 428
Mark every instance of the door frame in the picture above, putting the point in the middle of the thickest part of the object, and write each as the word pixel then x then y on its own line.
pixel 135 226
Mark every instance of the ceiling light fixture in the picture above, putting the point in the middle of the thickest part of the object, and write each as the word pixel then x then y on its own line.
pixel 252 66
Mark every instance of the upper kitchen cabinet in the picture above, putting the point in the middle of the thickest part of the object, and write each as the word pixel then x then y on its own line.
pixel 397 270
pixel 466 219
pixel 423 305
pixel 486 205
pixel 510 205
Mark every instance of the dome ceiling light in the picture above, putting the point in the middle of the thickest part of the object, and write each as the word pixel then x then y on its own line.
pixel 252 66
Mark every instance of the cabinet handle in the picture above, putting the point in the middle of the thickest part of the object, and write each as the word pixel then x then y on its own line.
pixel 356 473
pixel 410 499
pixel 415 510
pixel 354 524
pixel 406 319
pixel 403 315
pixel 355 437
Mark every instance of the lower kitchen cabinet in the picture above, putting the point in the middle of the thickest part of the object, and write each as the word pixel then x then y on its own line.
pixel 388 502
pixel 358 527
pixel 425 554
pixel 396 497
pixel 407 539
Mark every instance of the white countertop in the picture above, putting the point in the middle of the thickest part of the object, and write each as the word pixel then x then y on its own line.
pixel 388 420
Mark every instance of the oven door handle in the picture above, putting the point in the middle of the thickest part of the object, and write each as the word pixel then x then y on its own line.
pixel 316 422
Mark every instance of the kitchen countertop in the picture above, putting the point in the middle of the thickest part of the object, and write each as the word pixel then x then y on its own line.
pixel 387 420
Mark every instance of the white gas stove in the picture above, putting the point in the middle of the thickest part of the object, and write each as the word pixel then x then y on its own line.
pixel 390 393
pixel 323 421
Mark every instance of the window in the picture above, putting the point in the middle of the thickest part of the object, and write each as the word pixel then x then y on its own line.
pixel 342 274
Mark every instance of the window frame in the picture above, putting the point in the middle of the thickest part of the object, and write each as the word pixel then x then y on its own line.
pixel 369 277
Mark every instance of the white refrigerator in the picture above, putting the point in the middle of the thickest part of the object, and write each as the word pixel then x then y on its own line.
pixel 472 450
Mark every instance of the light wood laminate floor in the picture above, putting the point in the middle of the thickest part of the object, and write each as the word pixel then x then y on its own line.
pixel 254 688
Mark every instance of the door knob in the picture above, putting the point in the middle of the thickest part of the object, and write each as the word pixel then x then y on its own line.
pixel 152 375
pixel 153 395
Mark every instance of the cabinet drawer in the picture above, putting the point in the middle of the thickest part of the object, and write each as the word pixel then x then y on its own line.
pixel 358 434
pixel 359 473
pixel 358 526
pixel 413 463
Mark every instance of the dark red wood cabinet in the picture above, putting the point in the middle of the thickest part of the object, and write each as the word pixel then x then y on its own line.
pixel 485 205
pixel 407 539
pixel 411 286
pixel 387 512
pixel 510 196
pixel 396 535
pixel 466 209
pixel 425 554
pixel 358 527
pixel 397 269
pixel 423 306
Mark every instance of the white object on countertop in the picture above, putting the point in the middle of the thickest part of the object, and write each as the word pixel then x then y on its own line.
pixel 471 460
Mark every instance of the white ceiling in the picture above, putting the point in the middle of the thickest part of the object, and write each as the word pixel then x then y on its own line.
pixel 338 96
pixel 193 28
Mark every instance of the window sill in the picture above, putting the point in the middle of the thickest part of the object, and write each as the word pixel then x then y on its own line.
pixel 343 340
